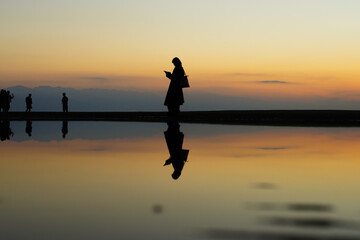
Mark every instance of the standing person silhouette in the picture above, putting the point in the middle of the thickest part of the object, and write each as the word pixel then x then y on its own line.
pixel 65 101
pixel 8 101
pixel 28 101
pixel 3 99
pixel 175 97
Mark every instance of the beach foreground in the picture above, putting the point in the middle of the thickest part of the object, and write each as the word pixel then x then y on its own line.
pixel 335 118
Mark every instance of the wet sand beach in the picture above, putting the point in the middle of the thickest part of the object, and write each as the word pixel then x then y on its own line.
pixel 325 118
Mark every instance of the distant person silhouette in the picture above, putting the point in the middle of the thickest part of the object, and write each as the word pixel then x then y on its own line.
pixel 174 96
pixel 64 129
pixel 28 128
pixel 65 101
pixel 5 130
pixel 3 100
pixel 8 100
pixel 28 101
pixel 174 141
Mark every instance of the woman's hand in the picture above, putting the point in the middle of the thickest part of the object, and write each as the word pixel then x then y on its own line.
pixel 168 74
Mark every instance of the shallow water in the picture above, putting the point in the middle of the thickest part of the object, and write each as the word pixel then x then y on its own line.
pixel 106 180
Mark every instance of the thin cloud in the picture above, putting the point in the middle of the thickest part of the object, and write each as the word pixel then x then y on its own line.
pixel 272 82
pixel 100 79
pixel 245 155
pixel 346 94
pixel 242 74
pixel 272 148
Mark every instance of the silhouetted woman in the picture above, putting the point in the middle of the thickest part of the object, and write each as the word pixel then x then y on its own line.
pixel 175 97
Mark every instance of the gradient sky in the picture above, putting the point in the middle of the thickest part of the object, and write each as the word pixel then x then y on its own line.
pixel 260 48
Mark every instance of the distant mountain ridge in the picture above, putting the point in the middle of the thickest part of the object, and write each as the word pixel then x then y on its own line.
pixel 46 98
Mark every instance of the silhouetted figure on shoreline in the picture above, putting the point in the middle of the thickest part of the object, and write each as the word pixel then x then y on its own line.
pixel 65 101
pixel 3 99
pixel 175 97
pixel 64 129
pixel 9 99
pixel 28 101
pixel 28 128
pixel 5 130
pixel 174 141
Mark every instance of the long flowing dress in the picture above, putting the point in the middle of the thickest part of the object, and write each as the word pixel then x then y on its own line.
pixel 175 96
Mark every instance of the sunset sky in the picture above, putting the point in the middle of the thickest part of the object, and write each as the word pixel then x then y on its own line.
pixel 272 49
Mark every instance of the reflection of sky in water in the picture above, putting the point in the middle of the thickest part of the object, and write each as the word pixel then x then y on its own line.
pixel 48 131
pixel 107 181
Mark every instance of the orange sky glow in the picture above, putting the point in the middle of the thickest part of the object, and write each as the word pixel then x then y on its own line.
pixel 263 49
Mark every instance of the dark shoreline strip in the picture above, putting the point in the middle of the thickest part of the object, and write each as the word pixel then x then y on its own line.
pixel 315 118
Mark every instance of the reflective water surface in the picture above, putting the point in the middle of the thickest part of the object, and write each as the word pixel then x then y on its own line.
pixel 116 180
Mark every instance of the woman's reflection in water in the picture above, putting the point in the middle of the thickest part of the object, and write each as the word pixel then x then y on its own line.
pixel 174 140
